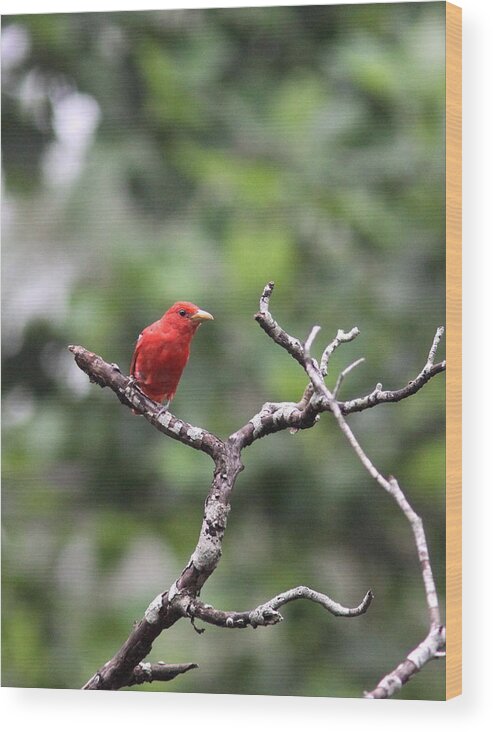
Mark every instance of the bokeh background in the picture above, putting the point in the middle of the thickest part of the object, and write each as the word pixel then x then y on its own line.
pixel 156 156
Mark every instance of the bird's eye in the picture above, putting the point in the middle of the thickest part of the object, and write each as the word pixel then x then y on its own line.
pixel 182 312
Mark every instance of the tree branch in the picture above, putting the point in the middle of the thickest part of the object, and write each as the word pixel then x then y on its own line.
pixel 292 345
pixel 266 614
pixel 341 337
pixel 435 639
pixel 165 610
pixel 128 393
pixel 377 396
pixel 323 399
pixel 296 349
pixel 429 649
pixel 148 672
pixel 344 373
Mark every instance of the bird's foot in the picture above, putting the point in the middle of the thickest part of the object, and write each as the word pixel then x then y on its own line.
pixel 163 410
pixel 134 384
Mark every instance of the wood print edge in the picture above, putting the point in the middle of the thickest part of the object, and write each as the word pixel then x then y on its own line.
pixel 453 188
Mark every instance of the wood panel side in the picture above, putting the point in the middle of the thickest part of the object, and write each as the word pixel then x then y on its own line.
pixel 453 188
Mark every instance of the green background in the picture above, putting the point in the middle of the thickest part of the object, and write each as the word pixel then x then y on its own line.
pixel 156 156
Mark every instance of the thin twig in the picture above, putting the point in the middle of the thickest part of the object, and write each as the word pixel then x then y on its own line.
pixel 433 350
pixel 341 337
pixel 267 613
pixel 292 345
pixel 344 373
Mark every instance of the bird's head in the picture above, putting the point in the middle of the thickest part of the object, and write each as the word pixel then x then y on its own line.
pixel 185 316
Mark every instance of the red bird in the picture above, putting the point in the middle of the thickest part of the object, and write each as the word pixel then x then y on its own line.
pixel 162 351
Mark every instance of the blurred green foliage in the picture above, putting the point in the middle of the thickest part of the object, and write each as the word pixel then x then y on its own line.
pixel 156 156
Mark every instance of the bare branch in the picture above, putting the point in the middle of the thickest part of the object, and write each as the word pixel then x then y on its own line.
pixel 165 610
pixel 433 350
pixel 278 416
pixel 344 373
pixel 377 396
pixel 422 547
pixel 341 337
pixel 265 298
pixel 391 486
pixel 426 651
pixel 309 341
pixel 128 393
pixel 148 672
pixel 292 345
pixel 266 614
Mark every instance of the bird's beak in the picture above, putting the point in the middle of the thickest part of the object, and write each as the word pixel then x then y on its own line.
pixel 201 315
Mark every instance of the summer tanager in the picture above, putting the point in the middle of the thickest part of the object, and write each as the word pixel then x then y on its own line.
pixel 162 351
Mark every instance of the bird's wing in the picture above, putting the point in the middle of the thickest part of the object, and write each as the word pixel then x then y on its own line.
pixel 135 354
pixel 149 331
